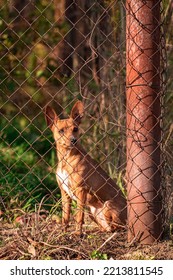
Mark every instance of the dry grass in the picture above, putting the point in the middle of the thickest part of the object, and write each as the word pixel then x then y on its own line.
pixel 39 237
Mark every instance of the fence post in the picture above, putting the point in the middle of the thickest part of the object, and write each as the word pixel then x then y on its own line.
pixel 143 121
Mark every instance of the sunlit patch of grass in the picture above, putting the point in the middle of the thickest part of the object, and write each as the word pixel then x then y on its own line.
pixel 25 179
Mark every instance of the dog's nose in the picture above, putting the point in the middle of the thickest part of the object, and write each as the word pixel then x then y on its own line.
pixel 73 140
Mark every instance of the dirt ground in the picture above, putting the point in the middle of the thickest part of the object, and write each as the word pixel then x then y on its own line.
pixel 43 238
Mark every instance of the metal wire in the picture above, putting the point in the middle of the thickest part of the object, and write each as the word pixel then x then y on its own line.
pixel 54 53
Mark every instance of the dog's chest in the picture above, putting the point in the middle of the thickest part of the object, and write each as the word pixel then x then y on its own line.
pixel 63 176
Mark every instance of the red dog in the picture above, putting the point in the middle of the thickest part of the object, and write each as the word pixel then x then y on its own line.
pixel 81 178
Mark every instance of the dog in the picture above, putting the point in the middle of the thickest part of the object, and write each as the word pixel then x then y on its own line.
pixel 81 178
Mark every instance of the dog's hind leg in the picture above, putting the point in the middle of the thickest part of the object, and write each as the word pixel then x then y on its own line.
pixel 113 215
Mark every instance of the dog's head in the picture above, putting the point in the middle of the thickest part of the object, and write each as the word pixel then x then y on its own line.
pixel 65 131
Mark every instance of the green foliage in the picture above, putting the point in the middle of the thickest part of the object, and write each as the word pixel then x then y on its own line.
pixel 95 255
pixel 25 177
pixel 31 42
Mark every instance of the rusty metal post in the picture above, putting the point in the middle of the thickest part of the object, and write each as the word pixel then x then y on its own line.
pixel 143 121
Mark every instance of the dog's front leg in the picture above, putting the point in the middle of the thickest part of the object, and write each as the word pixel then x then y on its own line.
pixel 81 200
pixel 66 208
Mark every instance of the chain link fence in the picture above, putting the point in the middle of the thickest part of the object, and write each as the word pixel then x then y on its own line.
pixel 54 53
pixel 145 85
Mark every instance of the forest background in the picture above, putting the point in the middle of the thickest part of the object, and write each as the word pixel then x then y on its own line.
pixel 54 52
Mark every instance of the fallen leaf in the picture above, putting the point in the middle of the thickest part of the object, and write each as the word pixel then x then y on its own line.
pixel 31 250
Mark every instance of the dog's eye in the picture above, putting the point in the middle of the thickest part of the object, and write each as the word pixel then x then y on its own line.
pixel 75 129
pixel 61 131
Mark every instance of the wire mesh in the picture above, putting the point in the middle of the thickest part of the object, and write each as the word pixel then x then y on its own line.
pixel 54 53
pixel 144 91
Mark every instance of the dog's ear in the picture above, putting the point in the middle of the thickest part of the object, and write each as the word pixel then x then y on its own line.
pixel 77 112
pixel 50 116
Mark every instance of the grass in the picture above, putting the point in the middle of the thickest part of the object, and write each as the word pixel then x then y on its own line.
pixel 37 236
pixel 26 172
